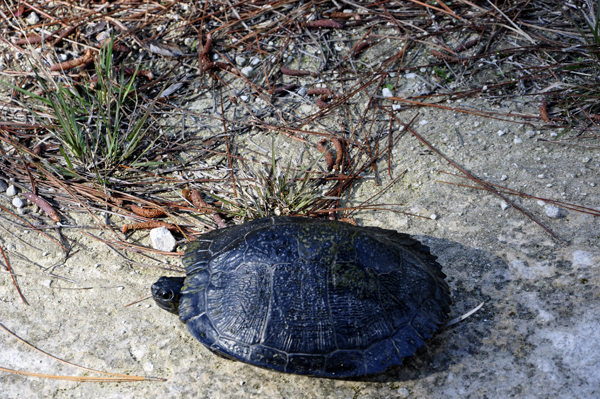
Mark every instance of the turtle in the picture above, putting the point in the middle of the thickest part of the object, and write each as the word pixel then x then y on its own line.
pixel 311 297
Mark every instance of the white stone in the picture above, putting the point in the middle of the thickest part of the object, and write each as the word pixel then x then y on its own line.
pixel 32 19
pixel 255 61
pixel 518 140
pixel 423 122
pixel 248 71
pixel 244 98
pixel 504 177
pixel 433 217
pixel 46 283
pixel 387 92
pixel 501 132
pixel 17 202
pixel 504 205
pixel 162 239
pixel 62 57
pixel 541 203
pixel 530 133
pixel 410 75
pixel 553 212
pixel 302 91
pixel 240 60
pixel 11 191
pixel 102 36
pixel 396 107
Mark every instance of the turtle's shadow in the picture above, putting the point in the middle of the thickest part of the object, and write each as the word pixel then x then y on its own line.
pixel 471 274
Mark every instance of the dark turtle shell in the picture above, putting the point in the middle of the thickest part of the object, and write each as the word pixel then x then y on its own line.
pixel 314 297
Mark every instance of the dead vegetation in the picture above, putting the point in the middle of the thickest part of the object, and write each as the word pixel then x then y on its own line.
pixel 126 108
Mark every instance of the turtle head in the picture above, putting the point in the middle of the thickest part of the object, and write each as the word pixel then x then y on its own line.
pixel 166 292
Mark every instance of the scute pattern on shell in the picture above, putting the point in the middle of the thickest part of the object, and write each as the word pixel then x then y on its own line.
pixel 312 297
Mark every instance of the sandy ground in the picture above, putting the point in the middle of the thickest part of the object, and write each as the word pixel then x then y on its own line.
pixel 535 337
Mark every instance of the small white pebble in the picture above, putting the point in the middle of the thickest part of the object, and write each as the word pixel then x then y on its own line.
pixel 46 253
pixel 32 19
pixel 541 203
pixel 553 212
pixel 501 132
pixel 47 283
pixel 62 57
pixel 553 134
pixel 504 205
pixel 549 185
pixel 255 61
pixel 484 88
pixel 504 177
pixel 396 107
pixel 11 191
pixel 541 176
pixel 240 60
pixel 593 184
pixel 248 71
pixel 244 98
pixel 410 75
pixel 518 140
pixel 162 239
pixel 530 133
pixel 387 92
pixel 17 202
pixel 433 217
pixel 423 122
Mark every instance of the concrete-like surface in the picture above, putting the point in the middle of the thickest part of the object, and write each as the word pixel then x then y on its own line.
pixel 537 335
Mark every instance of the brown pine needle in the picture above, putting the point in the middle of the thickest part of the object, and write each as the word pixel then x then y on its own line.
pixel 12 275
pixel 84 379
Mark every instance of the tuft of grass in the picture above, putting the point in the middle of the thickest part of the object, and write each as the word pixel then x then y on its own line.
pixel 275 190
pixel 591 21
pixel 100 124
